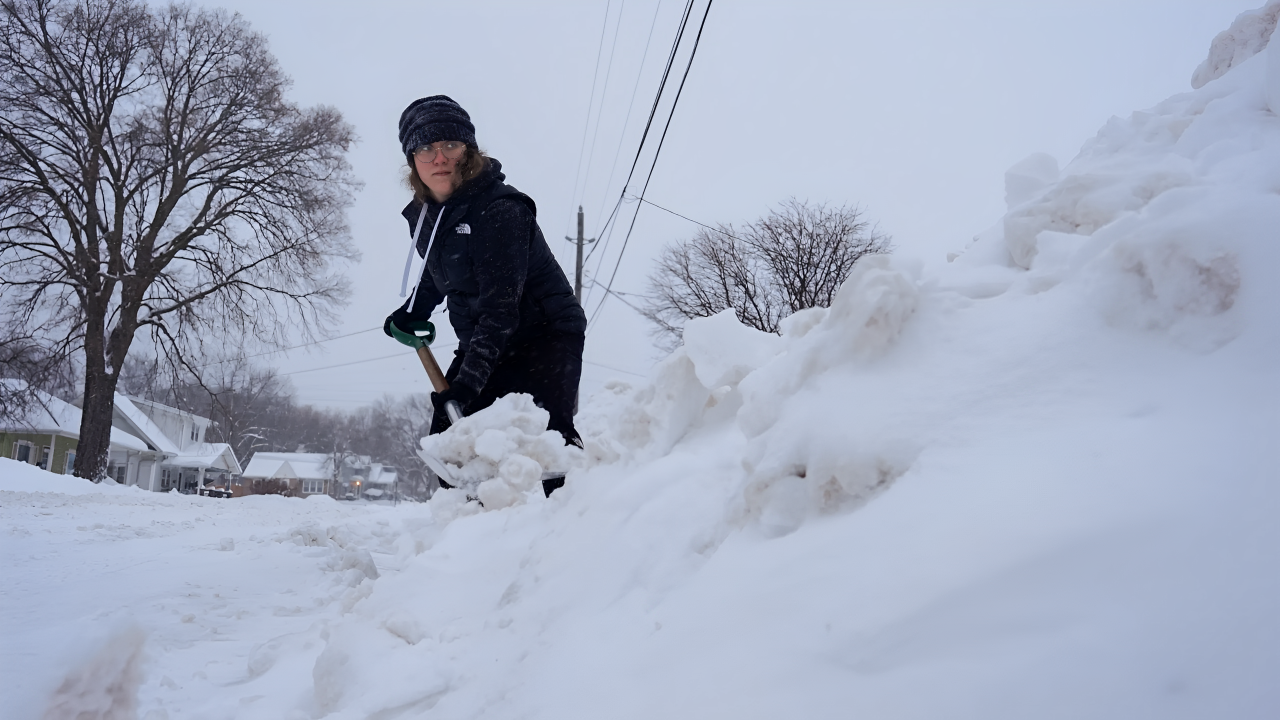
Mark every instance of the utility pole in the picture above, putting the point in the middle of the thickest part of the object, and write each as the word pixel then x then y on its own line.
pixel 577 282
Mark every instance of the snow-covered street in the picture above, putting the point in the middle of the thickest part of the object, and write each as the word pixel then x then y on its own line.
pixel 1040 481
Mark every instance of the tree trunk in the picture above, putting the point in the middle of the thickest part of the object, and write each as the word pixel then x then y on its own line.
pixel 96 410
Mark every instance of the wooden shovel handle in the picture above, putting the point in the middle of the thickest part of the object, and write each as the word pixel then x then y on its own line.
pixel 433 370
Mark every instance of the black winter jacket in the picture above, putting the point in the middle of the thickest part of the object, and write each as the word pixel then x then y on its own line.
pixel 490 260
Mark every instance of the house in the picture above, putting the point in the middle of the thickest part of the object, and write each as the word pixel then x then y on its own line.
pixel 49 435
pixel 379 482
pixel 281 473
pixel 176 457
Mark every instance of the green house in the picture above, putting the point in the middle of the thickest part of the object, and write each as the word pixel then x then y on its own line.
pixel 50 433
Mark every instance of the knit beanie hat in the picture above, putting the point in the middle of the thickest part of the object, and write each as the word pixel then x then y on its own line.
pixel 432 119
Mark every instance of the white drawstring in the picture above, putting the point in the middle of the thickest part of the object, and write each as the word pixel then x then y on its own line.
pixel 413 243
pixel 414 297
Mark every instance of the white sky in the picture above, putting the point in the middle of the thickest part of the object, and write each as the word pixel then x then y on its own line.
pixel 910 110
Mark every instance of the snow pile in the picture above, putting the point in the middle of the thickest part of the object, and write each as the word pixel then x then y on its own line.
pixel 1164 213
pixel 498 455
pixel 1038 481
pixel 1246 37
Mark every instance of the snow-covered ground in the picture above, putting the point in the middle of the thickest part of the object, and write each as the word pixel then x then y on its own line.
pixel 1040 481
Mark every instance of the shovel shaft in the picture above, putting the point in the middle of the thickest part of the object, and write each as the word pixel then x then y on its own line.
pixel 453 411
pixel 433 370
pixel 438 382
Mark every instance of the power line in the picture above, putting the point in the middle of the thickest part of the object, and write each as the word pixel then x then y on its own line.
pixel 695 222
pixel 604 94
pixel 616 369
pixel 356 362
pixel 689 66
pixel 620 297
pixel 287 349
pixel 653 111
pixel 446 345
pixel 591 101
pixel 627 121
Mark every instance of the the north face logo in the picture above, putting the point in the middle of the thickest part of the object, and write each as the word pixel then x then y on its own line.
pixel 463 229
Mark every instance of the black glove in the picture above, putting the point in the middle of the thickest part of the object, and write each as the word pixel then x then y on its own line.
pixel 400 317
pixel 461 393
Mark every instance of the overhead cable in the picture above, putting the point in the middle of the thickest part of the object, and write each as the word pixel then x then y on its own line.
pixel 604 95
pixel 591 101
pixel 286 349
pixel 653 111
pixel 693 53
pixel 627 120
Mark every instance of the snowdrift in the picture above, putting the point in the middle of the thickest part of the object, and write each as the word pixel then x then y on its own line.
pixel 1038 481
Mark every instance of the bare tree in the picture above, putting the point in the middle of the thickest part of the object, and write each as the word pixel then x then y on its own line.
pixel 154 178
pixel 795 257
pixel 24 364
pixel 392 431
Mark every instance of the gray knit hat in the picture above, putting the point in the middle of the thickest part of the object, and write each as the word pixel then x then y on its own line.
pixel 432 119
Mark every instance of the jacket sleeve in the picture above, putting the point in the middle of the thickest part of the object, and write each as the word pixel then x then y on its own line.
pixel 500 256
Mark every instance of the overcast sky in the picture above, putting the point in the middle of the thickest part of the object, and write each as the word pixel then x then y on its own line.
pixel 911 111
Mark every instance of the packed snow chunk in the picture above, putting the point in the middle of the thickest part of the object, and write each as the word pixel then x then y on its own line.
pixel 1247 36
pixel 724 351
pixel 866 316
pixel 1181 271
pixel 799 323
pixel 448 504
pixel 1082 203
pixel 358 560
pixel 516 475
pixel 792 483
pixel 639 424
pixel 348 679
pixel 1028 178
pixel 503 449
pixel 868 312
pixel 106 686
pixel 405 626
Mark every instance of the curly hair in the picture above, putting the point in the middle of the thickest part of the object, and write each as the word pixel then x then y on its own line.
pixel 472 164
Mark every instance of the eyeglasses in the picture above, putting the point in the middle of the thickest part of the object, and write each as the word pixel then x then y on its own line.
pixel 452 150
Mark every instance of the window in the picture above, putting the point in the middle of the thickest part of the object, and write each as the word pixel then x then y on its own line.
pixel 312 487
pixel 22 451
pixel 166 478
pixel 195 432
pixel 46 457
pixel 71 462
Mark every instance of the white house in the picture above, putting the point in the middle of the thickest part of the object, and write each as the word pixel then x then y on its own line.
pixel 49 435
pixel 176 455
pixel 297 474
pixel 380 481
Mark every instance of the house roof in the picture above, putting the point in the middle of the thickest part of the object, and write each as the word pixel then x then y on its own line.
pixel 144 427
pixel 379 475
pixel 62 418
pixel 274 465
pixel 208 455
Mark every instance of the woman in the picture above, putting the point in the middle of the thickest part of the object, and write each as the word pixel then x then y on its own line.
pixel 519 326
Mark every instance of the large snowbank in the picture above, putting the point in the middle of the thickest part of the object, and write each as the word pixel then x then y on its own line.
pixel 1037 482
pixel 1246 37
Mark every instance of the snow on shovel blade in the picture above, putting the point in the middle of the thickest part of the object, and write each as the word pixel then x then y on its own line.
pixel 441 468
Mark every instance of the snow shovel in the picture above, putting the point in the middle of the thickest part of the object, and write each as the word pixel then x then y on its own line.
pixel 419 336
